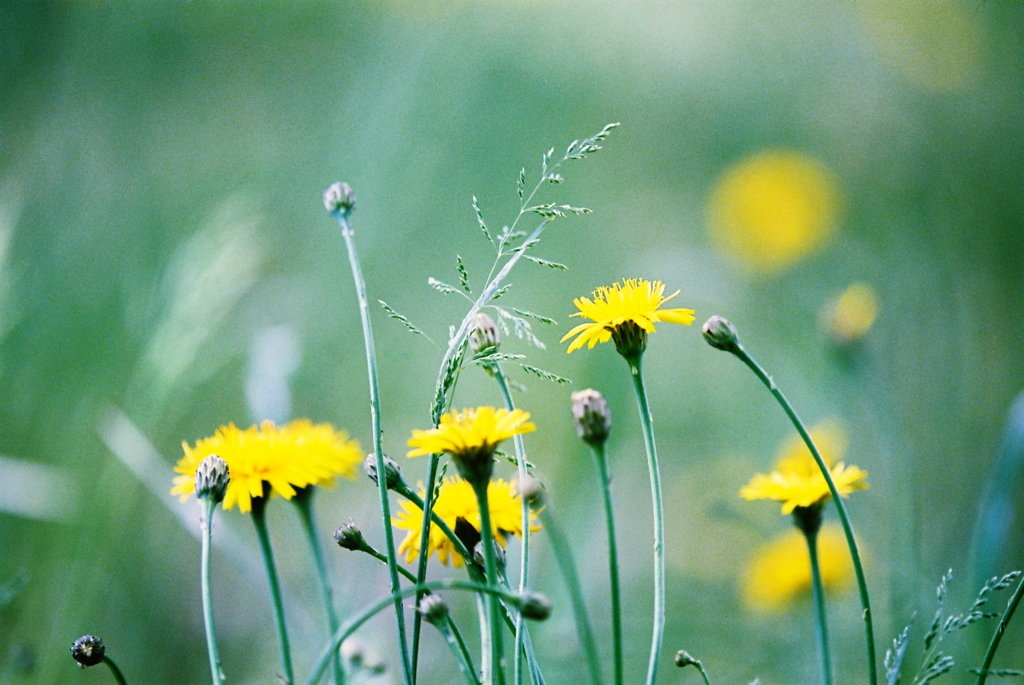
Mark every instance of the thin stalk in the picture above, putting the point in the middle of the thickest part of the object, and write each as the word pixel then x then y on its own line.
pixel 304 503
pixel 353 624
pixel 703 673
pixel 613 559
pixel 818 593
pixel 421 565
pixel 494 671
pixel 118 676
pixel 209 506
pixel 259 519
pixel 371 366
pixel 647 423
pixel 524 557
pixel 571 576
pixel 844 518
pixel 458 648
pixel 997 636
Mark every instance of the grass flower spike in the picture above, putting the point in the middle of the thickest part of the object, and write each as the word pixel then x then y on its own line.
pixel 286 458
pixel 634 301
pixel 797 480
pixel 457 506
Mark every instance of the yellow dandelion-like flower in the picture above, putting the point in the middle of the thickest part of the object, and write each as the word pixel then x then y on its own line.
pixel 457 506
pixel 852 315
pixel 780 572
pixel 470 432
pixel 797 481
pixel 773 209
pixel 634 300
pixel 297 455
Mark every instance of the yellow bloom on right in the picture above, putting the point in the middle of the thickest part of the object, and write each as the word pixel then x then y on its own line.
pixel 798 482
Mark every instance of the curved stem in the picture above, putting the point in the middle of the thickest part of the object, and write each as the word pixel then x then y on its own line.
pixel 494 671
pixel 997 636
pixel 571 576
pixel 118 676
pixel 209 505
pixel 646 421
pixel 524 559
pixel 259 520
pixel 460 652
pixel 371 365
pixel 613 560
pixel 304 503
pixel 818 592
pixel 844 518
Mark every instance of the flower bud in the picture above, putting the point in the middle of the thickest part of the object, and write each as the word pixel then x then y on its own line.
pixel 500 557
pixel 212 478
pixel 434 609
pixel 591 415
pixel 349 537
pixel 88 650
pixel 485 338
pixel 683 659
pixel 533 605
pixel 721 334
pixel 392 473
pixel 532 491
pixel 339 198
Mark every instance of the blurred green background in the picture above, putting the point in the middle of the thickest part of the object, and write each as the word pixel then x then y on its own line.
pixel 166 266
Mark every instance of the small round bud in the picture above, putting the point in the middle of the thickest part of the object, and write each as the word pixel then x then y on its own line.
pixel 349 537
pixel 339 198
pixel 88 650
pixel 434 609
pixel 721 334
pixel 683 659
pixel 533 605
pixel 353 651
pixel 531 490
pixel 499 555
pixel 392 473
pixel 485 338
pixel 591 415
pixel 212 478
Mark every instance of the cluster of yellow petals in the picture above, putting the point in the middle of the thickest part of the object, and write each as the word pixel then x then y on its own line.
pixel 780 572
pixel 798 482
pixel 297 455
pixel 635 299
pixel 470 432
pixel 456 500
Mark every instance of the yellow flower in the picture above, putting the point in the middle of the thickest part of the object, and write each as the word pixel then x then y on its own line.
pixel 457 506
pixel 470 432
pixel 797 480
pixel 780 571
pixel 286 458
pixel 634 300
pixel 852 315
pixel 773 209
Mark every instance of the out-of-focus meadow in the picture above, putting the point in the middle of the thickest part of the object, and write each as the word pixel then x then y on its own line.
pixel 166 266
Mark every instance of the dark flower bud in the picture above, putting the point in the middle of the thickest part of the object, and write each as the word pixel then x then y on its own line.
pixel 499 554
pixel 212 478
pixel 591 415
pixel 533 605
pixel 434 609
pixel 683 659
pixel 349 537
pixel 392 473
pixel 339 198
pixel 532 491
pixel 485 338
pixel 88 650
pixel 721 334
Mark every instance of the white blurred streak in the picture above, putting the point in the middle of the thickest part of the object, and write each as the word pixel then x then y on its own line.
pixel 37 491
pixel 11 203
pixel 275 354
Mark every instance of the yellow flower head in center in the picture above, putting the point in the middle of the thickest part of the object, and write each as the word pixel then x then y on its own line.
pixel 457 506
pixel 780 571
pixel 470 432
pixel 635 300
pixel 285 458
pixel 797 481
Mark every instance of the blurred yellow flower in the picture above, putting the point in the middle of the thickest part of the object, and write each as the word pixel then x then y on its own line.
pixel 780 572
pixel 797 480
pixel 635 299
pixel 471 432
pixel 772 209
pixel 286 458
pixel 457 506
pixel 852 314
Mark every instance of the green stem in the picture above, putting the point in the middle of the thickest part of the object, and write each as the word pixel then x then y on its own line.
pixel 613 559
pixel 524 559
pixel 851 541
pixel 304 503
pixel 570 574
pixel 646 422
pixel 209 505
pixel 355 622
pixel 458 647
pixel 371 365
pixel 997 636
pixel 118 676
pixel 818 593
pixel 494 671
pixel 421 565
pixel 259 519
pixel 703 673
